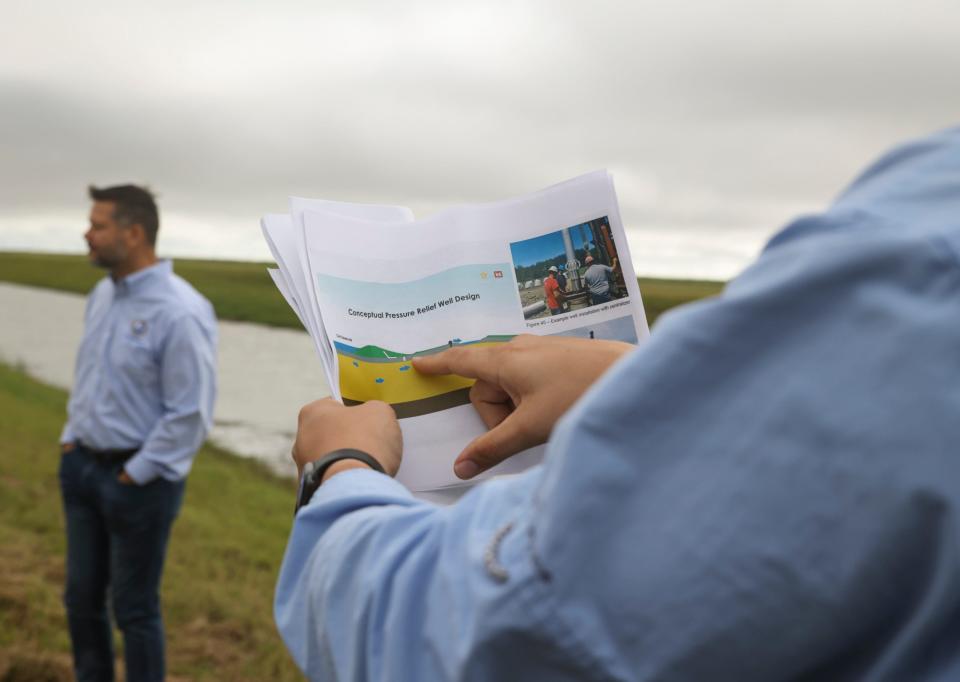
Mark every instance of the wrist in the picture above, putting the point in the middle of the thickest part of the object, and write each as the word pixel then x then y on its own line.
pixel 318 471
pixel 341 466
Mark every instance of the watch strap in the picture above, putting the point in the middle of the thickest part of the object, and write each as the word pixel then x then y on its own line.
pixel 313 472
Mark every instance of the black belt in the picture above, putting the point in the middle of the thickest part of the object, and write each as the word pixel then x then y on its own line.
pixel 108 456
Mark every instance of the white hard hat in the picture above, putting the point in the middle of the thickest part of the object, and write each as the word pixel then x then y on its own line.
pixel 553 268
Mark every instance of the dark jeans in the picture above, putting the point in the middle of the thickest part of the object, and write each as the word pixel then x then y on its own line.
pixel 117 538
pixel 597 299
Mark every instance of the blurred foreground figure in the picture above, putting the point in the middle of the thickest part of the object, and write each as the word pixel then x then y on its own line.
pixel 769 489
pixel 141 405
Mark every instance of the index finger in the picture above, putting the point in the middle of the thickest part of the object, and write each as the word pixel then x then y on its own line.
pixel 473 363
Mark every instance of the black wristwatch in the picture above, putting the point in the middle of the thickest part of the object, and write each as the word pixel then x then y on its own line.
pixel 313 472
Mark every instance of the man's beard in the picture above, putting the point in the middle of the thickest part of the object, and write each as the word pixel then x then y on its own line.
pixel 109 257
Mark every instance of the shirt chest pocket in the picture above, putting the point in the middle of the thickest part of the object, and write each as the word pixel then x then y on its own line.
pixel 137 361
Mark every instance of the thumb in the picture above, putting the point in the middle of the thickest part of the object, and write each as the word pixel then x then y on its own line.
pixel 507 438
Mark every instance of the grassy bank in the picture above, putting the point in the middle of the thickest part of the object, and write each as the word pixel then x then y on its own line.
pixel 222 565
pixel 244 291
pixel 238 291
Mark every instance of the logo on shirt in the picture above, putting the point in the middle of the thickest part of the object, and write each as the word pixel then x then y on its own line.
pixel 498 274
pixel 138 327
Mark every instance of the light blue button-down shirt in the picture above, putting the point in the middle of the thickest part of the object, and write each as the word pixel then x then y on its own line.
pixel 769 489
pixel 145 372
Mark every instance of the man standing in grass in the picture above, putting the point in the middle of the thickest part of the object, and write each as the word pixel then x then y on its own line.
pixel 141 405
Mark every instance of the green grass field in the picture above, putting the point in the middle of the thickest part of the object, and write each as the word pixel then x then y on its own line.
pixel 222 566
pixel 238 291
pixel 244 291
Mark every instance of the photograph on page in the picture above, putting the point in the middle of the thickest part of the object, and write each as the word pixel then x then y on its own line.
pixel 568 269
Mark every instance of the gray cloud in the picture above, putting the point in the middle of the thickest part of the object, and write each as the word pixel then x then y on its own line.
pixel 719 120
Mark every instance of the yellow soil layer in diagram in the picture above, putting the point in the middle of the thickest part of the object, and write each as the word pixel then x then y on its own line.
pixel 394 381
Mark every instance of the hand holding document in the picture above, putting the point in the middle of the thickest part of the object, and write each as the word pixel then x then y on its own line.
pixel 375 289
pixel 519 394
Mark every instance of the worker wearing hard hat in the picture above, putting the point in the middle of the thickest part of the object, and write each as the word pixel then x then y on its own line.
pixel 552 291
pixel 598 279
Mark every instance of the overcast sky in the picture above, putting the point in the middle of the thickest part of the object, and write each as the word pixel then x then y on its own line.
pixel 719 119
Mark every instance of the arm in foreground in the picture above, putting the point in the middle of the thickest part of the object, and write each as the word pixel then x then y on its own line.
pixel 378 585
pixel 365 551
pixel 772 490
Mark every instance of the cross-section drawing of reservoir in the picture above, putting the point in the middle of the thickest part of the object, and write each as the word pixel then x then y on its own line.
pixel 375 373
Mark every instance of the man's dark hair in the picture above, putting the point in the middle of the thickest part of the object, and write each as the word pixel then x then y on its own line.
pixel 133 205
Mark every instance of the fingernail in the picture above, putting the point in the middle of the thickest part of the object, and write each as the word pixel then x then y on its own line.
pixel 466 469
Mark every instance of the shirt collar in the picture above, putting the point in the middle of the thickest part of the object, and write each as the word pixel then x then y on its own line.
pixel 143 279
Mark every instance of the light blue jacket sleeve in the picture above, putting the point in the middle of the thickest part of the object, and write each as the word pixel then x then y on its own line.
pixel 68 434
pixel 188 391
pixel 376 585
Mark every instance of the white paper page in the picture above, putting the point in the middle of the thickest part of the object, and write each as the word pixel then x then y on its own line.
pixel 403 298
pixel 530 218
pixel 373 213
pixel 279 234
pixel 285 244
pixel 373 355
pixel 280 281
